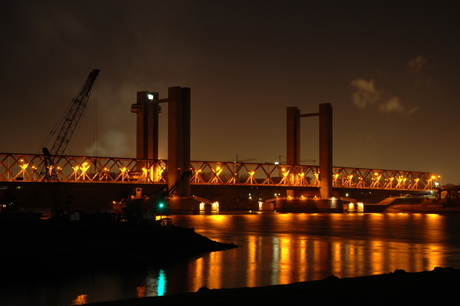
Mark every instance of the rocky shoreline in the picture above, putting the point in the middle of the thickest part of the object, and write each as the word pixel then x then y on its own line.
pixel 436 287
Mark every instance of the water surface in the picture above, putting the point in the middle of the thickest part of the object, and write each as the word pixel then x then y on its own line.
pixel 275 249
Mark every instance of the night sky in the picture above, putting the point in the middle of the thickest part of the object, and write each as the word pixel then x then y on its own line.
pixel 390 69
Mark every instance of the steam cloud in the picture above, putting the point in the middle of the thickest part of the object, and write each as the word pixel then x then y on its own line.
pixel 113 143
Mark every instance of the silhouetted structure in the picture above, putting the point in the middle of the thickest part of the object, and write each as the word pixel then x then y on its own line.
pixel 325 144
pixel 147 109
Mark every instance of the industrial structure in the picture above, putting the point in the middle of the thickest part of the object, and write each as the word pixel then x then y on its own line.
pixel 147 109
pixel 325 172
pixel 236 184
pixel 68 126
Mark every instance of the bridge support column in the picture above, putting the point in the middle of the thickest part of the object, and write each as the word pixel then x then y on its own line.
pixel 293 141
pixel 325 150
pixel 179 144
pixel 293 136
pixel 325 144
pixel 147 110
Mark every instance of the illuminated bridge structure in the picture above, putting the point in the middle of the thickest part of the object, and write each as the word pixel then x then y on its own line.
pixel 235 183
pixel 97 170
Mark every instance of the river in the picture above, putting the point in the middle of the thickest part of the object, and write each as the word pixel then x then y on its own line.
pixel 275 249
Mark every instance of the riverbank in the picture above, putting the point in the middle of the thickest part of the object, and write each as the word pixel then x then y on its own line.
pixel 50 248
pixel 397 288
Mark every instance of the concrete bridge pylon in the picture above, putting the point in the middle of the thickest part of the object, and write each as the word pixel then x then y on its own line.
pixel 325 144
pixel 147 108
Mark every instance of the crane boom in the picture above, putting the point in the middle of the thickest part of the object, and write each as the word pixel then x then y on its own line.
pixel 74 115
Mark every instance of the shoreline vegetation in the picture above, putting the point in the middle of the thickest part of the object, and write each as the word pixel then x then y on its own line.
pixel 437 287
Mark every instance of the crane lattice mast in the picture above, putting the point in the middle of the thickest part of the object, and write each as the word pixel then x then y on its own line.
pixel 74 115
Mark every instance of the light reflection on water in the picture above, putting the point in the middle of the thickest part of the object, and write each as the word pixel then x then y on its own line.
pixel 275 249
pixel 287 248
pixel 155 285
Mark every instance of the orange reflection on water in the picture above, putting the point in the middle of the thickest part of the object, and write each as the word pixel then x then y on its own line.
pixel 436 256
pixel 80 300
pixel 302 247
pixel 285 261
pixel 252 261
pixel 302 259
pixel 377 256
pixel 141 290
pixel 197 274
pixel 215 269
pixel 207 271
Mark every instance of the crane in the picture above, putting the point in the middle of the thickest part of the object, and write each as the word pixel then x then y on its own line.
pixel 74 115
pixel 67 129
pixel 69 125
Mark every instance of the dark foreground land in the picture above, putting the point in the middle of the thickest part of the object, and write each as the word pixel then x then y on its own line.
pixel 49 248
pixel 438 287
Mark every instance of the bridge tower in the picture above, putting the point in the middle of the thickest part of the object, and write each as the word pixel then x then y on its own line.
pixel 325 150
pixel 147 109
pixel 179 142
pixel 325 144
pixel 293 136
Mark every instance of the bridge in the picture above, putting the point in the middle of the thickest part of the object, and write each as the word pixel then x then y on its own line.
pixel 291 180
pixel 93 170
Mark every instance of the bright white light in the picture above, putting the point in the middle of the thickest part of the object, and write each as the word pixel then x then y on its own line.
pixel 150 96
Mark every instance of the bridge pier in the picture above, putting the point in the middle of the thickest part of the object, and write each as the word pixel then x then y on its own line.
pixel 303 204
pixel 182 206
pixel 330 205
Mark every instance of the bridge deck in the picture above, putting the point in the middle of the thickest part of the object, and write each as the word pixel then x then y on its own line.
pixel 31 168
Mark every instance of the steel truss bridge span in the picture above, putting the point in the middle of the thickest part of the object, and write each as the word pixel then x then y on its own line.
pixel 79 169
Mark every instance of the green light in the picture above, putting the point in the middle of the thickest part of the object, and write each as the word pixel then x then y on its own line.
pixel 161 205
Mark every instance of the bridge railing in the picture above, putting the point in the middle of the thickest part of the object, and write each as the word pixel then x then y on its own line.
pixel 31 168
pixel 206 172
